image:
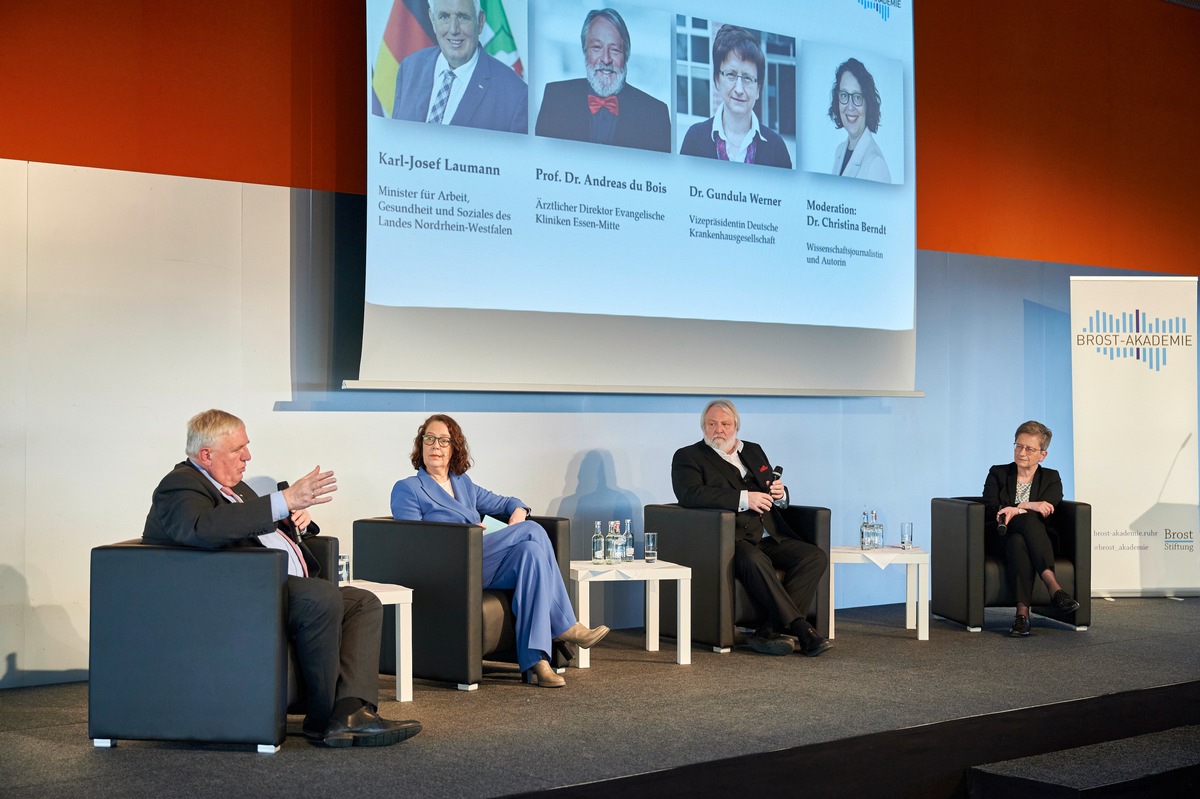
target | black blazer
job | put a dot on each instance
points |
(644, 122)
(1000, 490)
(701, 479)
(698, 141)
(188, 510)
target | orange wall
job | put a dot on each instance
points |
(1054, 130)
(257, 91)
(1060, 130)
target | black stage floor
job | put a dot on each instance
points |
(881, 714)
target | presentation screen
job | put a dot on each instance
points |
(640, 197)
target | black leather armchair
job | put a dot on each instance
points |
(191, 644)
(966, 578)
(456, 623)
(702, 539)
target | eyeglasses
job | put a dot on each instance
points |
(1027, 450)
(731, 77)
(856, 99)
(443, 441)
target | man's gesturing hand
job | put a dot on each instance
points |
(313, 488)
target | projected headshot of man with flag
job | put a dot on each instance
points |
(432, 67)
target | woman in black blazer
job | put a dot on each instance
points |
(1020, 497)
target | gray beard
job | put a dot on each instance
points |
(724, 445)
(604, 85)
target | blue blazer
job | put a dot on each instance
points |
(420, 498)
(496, 99)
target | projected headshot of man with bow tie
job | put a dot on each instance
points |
(603, 107)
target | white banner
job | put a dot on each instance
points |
(1133, 367)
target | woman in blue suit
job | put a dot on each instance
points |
(519, 557)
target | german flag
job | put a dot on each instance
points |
(408, 29)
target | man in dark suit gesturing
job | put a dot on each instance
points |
(724, 472)
(335, 631)
(603, 108)
(457, 83)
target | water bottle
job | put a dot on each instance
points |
(629, 548)
(610, 544)
(619, 548)
(876, 532)
(864, 532)
(597, 546)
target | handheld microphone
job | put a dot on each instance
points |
(776, 474)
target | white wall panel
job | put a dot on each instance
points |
(14, 595)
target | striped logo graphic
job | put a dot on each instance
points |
(1135, 335)
(882, 7)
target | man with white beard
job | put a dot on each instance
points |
(602, 107)
(723, 471)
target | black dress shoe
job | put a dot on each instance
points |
(814, 645)
(1020, 626)
(365, 727)
(811, 642)
(1063, 602)
(770, 643)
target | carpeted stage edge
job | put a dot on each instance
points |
(929, 760)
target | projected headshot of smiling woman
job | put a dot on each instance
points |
(854, 106)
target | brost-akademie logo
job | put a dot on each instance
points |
(1135, 335)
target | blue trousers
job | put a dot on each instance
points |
(520, 558)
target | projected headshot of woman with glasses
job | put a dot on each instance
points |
(735, 132)
(855, 107)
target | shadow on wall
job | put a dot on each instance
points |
(595, 498)
(38, 621)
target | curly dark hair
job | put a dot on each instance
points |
(869, 92)
(460, 453)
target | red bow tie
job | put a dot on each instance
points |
(596, 103)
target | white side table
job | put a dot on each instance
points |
(916, 560)
(584, 572)
(401, 597)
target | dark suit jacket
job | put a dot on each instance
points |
(496, 99)
(1000, 490)
(644, 122)
(701, 479)
(698, 141)
(188, 510)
